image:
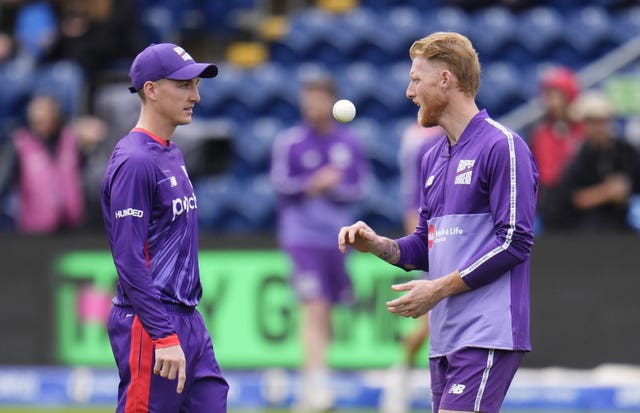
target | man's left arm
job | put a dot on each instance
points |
(513, 188)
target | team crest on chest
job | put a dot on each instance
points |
(464, 172)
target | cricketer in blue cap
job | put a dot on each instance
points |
(162, 348)
(169, 61)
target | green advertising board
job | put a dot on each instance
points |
(248, 306)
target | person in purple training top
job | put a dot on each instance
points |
(161, 346)
(319, 171)
(474, 236)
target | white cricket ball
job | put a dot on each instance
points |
(344, 110)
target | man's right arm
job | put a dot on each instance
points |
(131, 189)
(408, 253)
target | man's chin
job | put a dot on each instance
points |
(184, 120)
(424, 122)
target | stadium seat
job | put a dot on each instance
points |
(158, 25)
(299, 41)
(268, 90)
(225, 97)
(66, 81)
(368, 131)
(369, 40)
(357, 81)
(317, 35)
(365, 84)
(407, 25)
(217, 92)
(492, 32)
(393, 88)
(254, 205)
(380, 145)
(215, 198)
(499, 88)
(539, 30)
(381, 208)
(382, 5)
(587, 31)
(448, 19)
(16, 77)
(220, 17)
(252, 144)
(625, 24)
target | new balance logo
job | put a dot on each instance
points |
(457, 389)
(429, 181)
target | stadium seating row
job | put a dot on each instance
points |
(167, 20)
(377, 90)
(270, 90)
(230, 204)
(538, 33)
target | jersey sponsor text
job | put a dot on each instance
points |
(182, 205)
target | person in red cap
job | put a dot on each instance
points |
(554, 141)
(161, 345)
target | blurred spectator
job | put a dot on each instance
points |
(35, 28)
(44, 167)
(319, 171)
(605, 171)
(96, 34)
(8, 12)
(6, 47)
(554, 141)
(91, 132)
(415, 143)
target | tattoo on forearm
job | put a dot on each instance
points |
(391, 252)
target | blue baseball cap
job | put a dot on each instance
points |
(166, 60)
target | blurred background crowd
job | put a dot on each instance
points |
(562, 74)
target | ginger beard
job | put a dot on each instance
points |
(431, 110)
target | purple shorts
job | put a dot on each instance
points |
(320, 273)
(140, 390)
(473, 379)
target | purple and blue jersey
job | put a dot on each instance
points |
(150, 214)
(299, 152)
(476, 216)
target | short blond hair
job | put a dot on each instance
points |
(456, 52)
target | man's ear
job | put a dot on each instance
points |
(446, 78)
(150, 90)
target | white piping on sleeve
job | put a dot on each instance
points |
(513, 190)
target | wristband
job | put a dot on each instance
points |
(168, 341)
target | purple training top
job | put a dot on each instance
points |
(150, 214)
(476, 216)
(298, 153)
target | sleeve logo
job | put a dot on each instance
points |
(129, 212)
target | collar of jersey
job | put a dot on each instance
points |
(163, 142)
(467, 134)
